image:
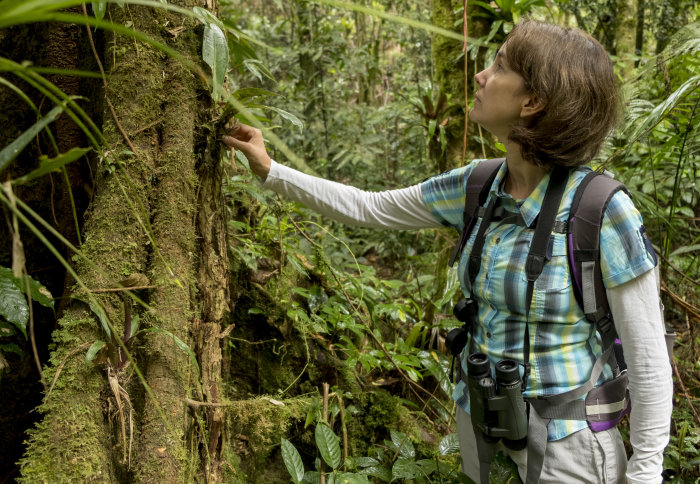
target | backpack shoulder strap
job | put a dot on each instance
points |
(583, 238)
(478, 185)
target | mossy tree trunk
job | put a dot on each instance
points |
(157, 212)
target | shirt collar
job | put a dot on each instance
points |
(529, 207)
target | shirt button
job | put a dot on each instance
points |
(498, 240)
(488, 334)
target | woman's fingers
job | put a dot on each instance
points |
(249, 140)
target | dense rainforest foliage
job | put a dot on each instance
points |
(165, 319)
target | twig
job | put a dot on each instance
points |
(63, 363)
(681, 273)
(692, 310)
(685, 393)
(344, 428)
(119, 289)
(148, 126)
(273, 340)
(32, 338)
(197, 404)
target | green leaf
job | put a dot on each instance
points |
(248, 92)
(11, 348)
(412, 337)
(99, 311)
(685, 250)
(292, 460)
(206, 17)
(11, 151)
(449, 444)
(47, 165)
(312, 477)
(179, 343)
(432, 124)
(38, 292)
(350, 478)
(288, 116)
(404, 444)
(328, 445)
(13, 305)
(404, 469)
(99, 8)
(665, 107)
(380, 472)
(215, 54)
(93, 350)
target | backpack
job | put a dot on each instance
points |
(605, 405)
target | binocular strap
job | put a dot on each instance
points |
(536, 446)
(486, 451)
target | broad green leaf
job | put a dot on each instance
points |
(427, 466)
(38, 292)
(13, 305)
(292, 460)
(134, 324)
(11, 151)
(685, 250)
(449, 444)
(432, 124)
(99, 8)
(351, 478)
(412, 337)
(404, 469)
(404, 444)
(215, 54)
(312, 477)
(47, 165)
(328, 445)
(288, 116)
(99, 311)
(366, 461)
(93, 350)
(380, 472)
(206, 17)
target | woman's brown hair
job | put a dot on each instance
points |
(571, 74)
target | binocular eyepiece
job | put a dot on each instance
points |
(498, 410)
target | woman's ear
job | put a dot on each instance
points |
(530, 106)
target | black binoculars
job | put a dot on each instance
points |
(466, 311)
(498, 410)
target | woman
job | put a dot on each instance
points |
(550, 96)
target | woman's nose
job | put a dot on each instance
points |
(480, 78)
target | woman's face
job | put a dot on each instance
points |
(501, 98)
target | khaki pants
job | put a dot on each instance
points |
(582, 457)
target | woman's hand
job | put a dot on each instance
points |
(250, 141)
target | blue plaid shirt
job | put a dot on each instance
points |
(563, 344)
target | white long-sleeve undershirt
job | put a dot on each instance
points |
(634, 304)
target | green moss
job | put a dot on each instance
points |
(377, 413)
(71, 443)
(256, 428)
